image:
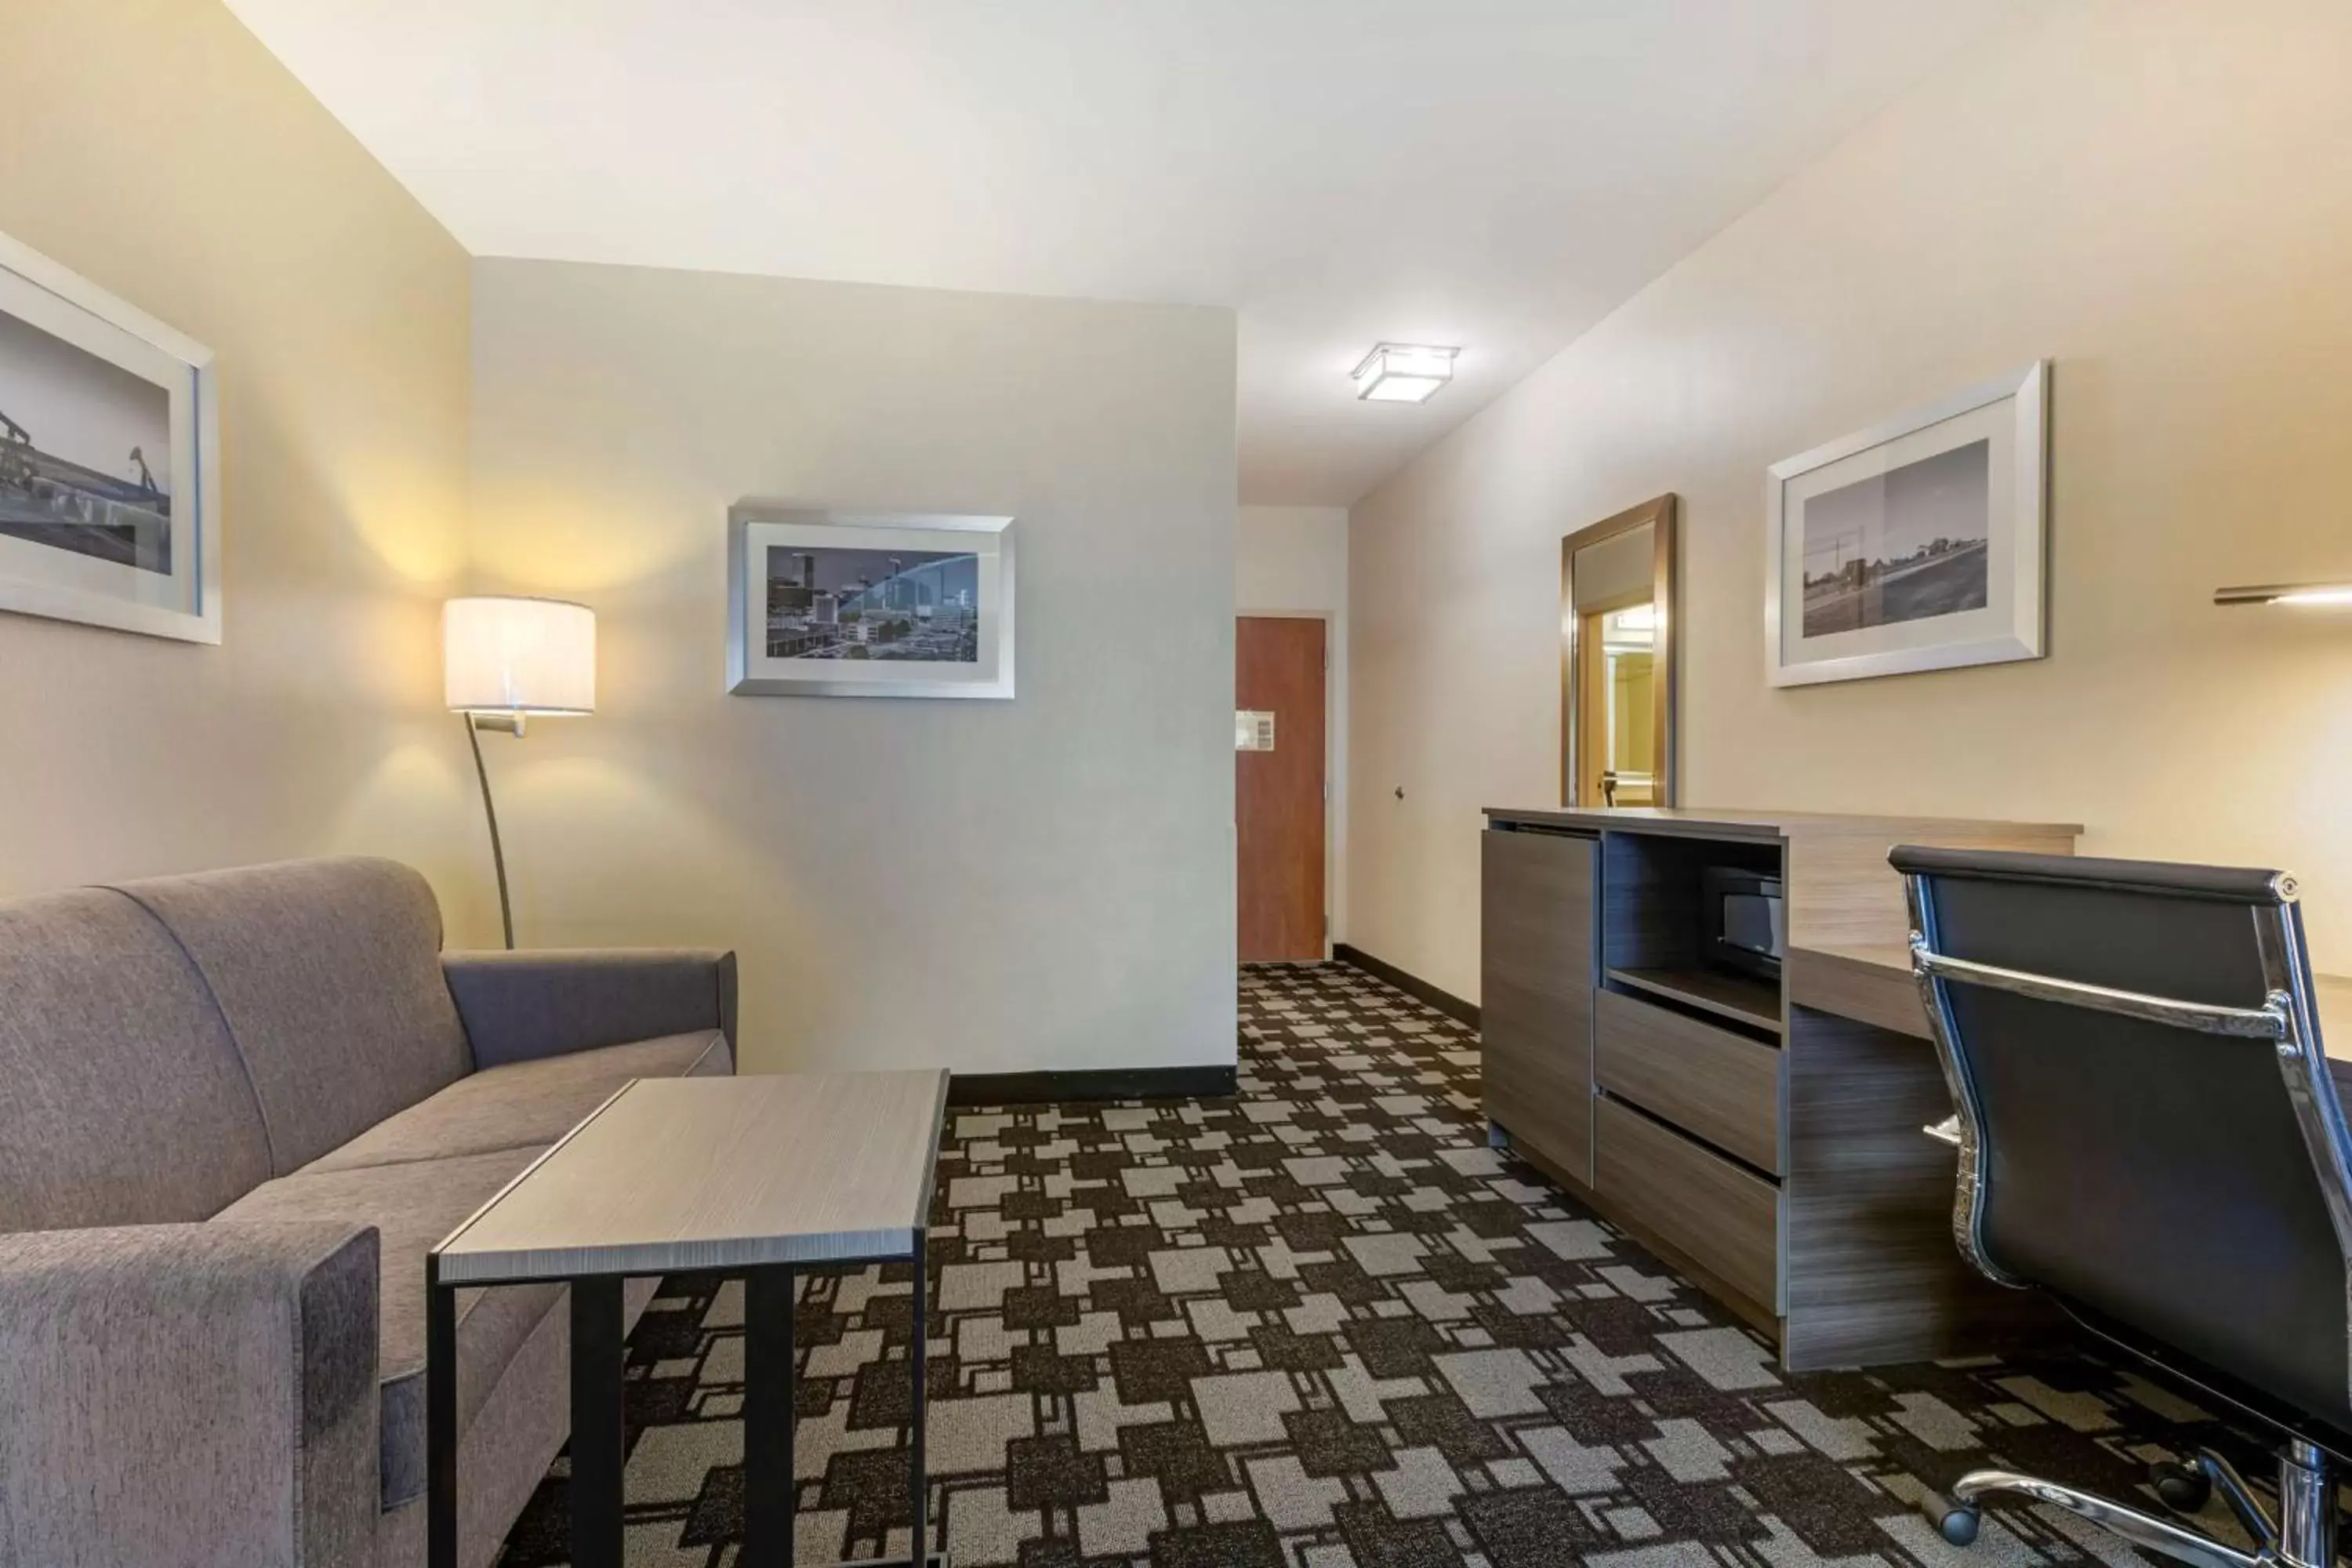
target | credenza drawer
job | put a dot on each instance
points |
(1714, 1084)
(1723, 1218)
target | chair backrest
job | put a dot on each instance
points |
(2149, 1128)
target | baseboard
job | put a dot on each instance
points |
(1100, 1083)
(1412, 985)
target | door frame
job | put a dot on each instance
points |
(1335, 731)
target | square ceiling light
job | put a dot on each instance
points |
(1403, 373)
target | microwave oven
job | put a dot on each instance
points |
(1743, 920)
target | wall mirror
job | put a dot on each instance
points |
(1617, 659)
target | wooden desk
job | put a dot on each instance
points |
(1771, 1153)
(1872, 981)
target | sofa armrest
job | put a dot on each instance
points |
(519, 1006)
(189, 1394)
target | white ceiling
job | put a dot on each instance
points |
(1493, 173)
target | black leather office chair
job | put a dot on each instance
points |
(2148, 1132)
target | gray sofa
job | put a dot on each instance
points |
(235, 1110)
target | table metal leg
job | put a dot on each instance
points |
(768, 1417)
(597, 1441)
(920, 1533)
(440, 1419)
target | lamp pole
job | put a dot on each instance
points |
(511, 724)
(504, 657)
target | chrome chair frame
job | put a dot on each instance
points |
(2301, 1535)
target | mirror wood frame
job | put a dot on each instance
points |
(1660, 515)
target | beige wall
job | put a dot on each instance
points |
(1293, 561)
(2157, 194)
(1044, 883)
(154, 147)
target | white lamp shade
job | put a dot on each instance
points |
(519, 655)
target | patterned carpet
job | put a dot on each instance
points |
(1322, 1326)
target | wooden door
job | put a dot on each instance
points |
(1278, 799)
(1536, 983)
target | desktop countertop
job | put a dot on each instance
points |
(1874, 983)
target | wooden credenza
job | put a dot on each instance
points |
(1768, 1150)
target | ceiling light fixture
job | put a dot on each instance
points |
(2305, 593)
(1403, 373)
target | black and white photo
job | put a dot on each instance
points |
(85, 452)
(910, 605)
(1903, 545)
(1917, 544)
(109, 460)
(826, 604)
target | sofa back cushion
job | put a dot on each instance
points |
(329, 973)
(122, 1099)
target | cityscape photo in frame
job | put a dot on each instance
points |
(110, 459)
(1917, 544)
(827, 603)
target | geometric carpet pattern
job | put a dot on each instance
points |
(1322, 1325)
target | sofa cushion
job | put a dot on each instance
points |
(122, 1101)
(529, 1104)
(329, 974)
(413, 1205)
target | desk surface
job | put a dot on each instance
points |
(1874, 983)
(717, 1173)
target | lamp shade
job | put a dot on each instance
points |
(501, 655)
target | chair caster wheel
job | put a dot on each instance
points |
(2184, 1488)
(1955, 1521)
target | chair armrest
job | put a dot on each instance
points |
(189, 1394)
(519, 1006)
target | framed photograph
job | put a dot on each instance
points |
(825, 604)
(110, 459)
(1917, 545)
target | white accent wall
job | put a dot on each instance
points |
(1044, 883)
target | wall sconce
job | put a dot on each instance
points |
(503, 660)
(2312, 594)
(1403, 373)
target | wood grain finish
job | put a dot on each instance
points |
(728, 1173)
(1871, 983)
(1874, 983)
(1741, 998)
(1757, 1316)
(1713, 1084)
(1536, 971)
(1279, 803)
(1649, 911)
(1722, 823)
(1842, 892)
(1850, 1253)
(1874, 1275)
(2332, 1000)
(1726, 1219)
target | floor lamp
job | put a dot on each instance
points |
(505, 660)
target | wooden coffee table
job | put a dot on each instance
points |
(754, 1176)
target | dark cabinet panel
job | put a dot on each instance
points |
(1723, 1218)
(1714, 1084)
(1536, 985)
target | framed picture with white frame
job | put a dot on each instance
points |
(836, 603)
(1919, 544)
(110, 459)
